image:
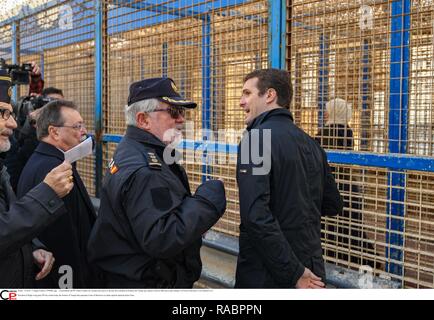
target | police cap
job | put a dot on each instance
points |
(163, 89)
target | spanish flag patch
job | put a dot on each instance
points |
(113, 168)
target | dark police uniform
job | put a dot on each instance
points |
(280, 231)
(149, 229)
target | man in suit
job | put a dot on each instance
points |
(60, 127)
(282, 197)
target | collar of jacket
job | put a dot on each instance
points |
(2, 159)
(148, 138)
(279, 112)
(50, 150)
(143, 136)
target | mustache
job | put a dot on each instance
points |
(9, 132)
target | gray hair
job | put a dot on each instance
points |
(146, 106)
(51, 116)
(339, 111)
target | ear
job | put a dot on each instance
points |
(53, 132)
(143, 121)
(271, 95)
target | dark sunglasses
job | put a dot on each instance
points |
(175, 112)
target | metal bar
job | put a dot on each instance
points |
(187, 13)
(153, 7)
(365, 95)
(305, 26)
(15, 53)
(42, 65)
(283, 35)
(27, 11)
(274, 33)
(164, 60)
(364, 159)
(22, 51)
(99, 42)
(391, 161)
(398, 109)
(323, 77)
(206, 87)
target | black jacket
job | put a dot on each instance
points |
(20, 221)
(336, 136)
(280, 231)
(67, 237)
(149, 227)
(23, 144)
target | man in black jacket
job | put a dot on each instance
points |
(21, 220)
(149, 227)
(60, 127)
(283, 194)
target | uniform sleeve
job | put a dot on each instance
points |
(332, 202)
(263, 229)
(27, 217)
(162, 222)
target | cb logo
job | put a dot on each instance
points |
(8, 295)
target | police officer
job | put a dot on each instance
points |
(149, 227)
(22, 220)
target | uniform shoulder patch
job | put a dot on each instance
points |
(153, 161)
(113, 167)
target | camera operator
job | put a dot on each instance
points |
(24, 140)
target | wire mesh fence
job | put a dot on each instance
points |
(377, 56)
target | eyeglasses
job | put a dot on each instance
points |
(6, 114)
(175, 112)
(77, 126)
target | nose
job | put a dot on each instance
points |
(180, 119)
(11, 123)
(242, 102)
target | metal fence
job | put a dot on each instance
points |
(377, 55)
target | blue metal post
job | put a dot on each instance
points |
(164, 60)
(398, 110)
(283, 36)
(206, 86)
(15, 53)
(276, 33)
(323, 79)
(365, 94)
(42, 65)
(99, 42)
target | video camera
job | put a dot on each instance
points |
(20, 74)
(29, 104)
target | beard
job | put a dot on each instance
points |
(5, 146)
(173, 136)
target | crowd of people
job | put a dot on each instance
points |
(148, 231)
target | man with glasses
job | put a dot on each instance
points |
(21, 220)
(60, 127)
(149, 227)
